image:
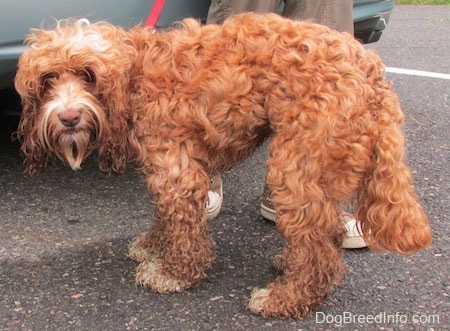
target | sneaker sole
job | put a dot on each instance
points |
(212, 213)
(353, 242)
(268, 213)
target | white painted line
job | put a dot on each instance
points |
(417, 73)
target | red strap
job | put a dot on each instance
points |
(154, 14)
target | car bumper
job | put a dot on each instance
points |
(370, 30)
(370, 18)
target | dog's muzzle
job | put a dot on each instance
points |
(72, 133)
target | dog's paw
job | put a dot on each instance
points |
(258, 300)
(149, 274)
(137, 251)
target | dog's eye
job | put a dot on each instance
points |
(46, 80)
(89, 76)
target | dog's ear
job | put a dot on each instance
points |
(36, 157)
(115, 151)
(28, 86)
(113, 83)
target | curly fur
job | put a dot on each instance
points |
(188, 103)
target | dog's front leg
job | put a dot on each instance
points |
(175, 254)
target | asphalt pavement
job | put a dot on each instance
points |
(64, 234)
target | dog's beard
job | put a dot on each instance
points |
(74, 148)
(72, 144)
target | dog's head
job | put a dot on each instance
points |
(73, 83)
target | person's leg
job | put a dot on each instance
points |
(335, 14)
(304, 10)
(220, 10)
(338, 15)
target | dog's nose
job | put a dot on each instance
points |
(70, 117)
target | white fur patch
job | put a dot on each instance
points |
(88, 39)
(258, 299)
(150, 275)
(85, 37)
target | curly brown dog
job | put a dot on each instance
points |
(188, 103)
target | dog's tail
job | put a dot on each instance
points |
(390, 214)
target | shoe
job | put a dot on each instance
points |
(215, 196)
(267, 210)
(352, 239)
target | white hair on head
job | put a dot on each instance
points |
(79, 38)
(85, 37)
(76, 36)
(83, 21)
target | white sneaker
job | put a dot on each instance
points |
(215, 196)
(353, 238)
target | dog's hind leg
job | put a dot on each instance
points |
(176, 253)
(308, 220)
